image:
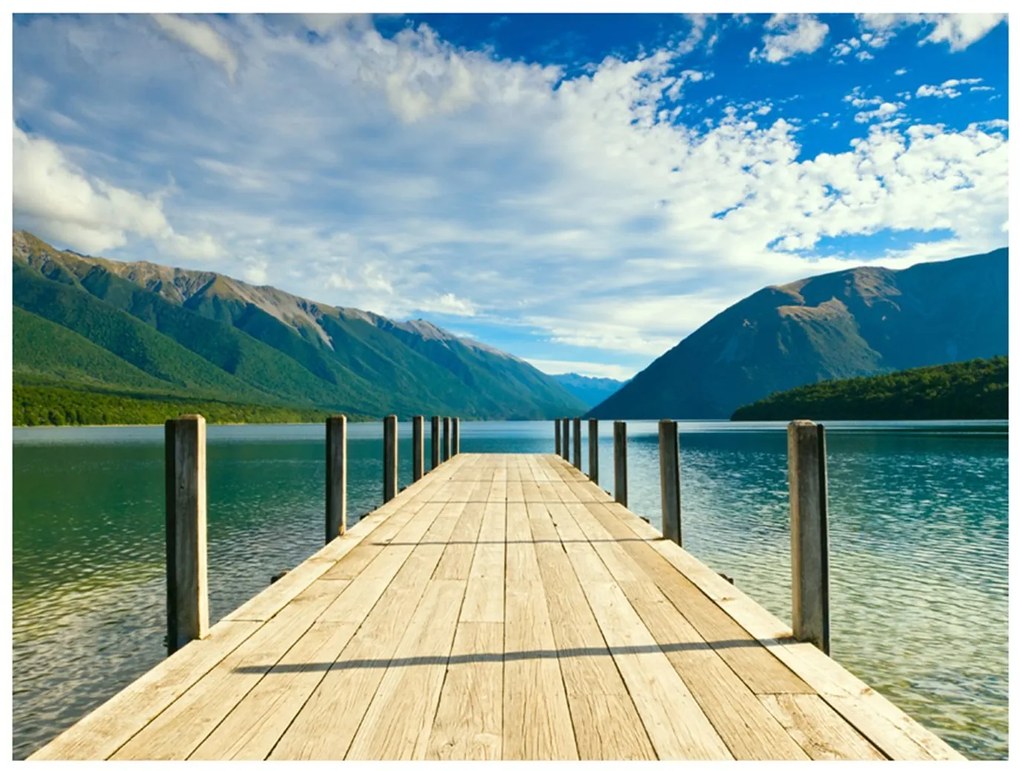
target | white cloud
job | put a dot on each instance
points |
(201, 37)
(962, 29)
(448, 304)
(948, 89)
(586, 368)
(403, 174)
(959, 30)
(790, 34)
(59, 201)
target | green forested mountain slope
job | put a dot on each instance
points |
(970, 390)
(851, 323)
(204, 335)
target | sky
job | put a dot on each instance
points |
(581, 190)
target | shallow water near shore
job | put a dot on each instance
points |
(918, 546)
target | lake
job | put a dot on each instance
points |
(918, 535)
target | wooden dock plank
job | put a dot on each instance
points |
(818, 728)
(501, 607)
(606, 723)
(469, 720)
(326, 724)
(183, 725)
(536, 718)
(399, 720)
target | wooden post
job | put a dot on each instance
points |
(446, 439)
(577, 443)
(336, 476)
(809, 532)
(389, 485)
(417, 447)
(435, 441)
(669, 480)
(620, 461)
(455, 437)
(187, 591)
(566, 439)
(593, 450)
(559, 450)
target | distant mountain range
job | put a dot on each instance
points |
(590, 390)
(856, 322)
(147, 331)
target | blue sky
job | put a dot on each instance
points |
(580, 190)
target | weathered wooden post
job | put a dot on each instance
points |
(187, 591)
(435, 441)
(559, 450)
(593, 450)
(809, 532)
(417, 447)
(446, 439)
(620, 461)
(566, 439)
(577, 443)
(336, 476)
(669, 480)
(454, 437)
(389, 491)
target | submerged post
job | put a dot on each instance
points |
(809, 532)
(593, 450)
(187, 592)
(620, 461)
(336, 476)
(566, 439)
(446, 439)
(455, 437)
(669, 480)
(577, 443)
(417, 447)
(389, 490)
(559, 450)
(435, 441)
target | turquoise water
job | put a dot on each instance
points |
(918, 541)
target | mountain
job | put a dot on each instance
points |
(590, 390)
(970, 390)
(146, 330)
(862, 321)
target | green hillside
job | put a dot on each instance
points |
(138, 331)
(969, 390)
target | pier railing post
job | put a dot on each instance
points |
(620, 461)
(577, 443)
(417, 447)
(809, 532)
(446, 439)
(669, 480)
(336, 476)
(389, 458)
(187, 591)
(435, 441)
(559, 449)
(454, 437)
(566, 439)
(593, 450)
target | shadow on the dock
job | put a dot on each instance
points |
(480, 658)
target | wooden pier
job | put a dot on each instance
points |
(502, 606)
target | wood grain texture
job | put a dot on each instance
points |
(502, 607)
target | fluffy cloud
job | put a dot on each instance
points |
(948, 89)
(959, 30)
(200, 37)
(789, 34)
(406, 175)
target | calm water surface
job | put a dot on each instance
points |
(918, 539)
